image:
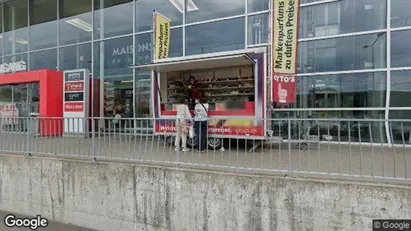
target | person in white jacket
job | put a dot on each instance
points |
(183, 123)
(201, 124)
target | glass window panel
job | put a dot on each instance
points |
(257, 5)
(400, 13)
(200, 10)
(15, 27)
(46, 59)
(144, 12)
(342, 91)
(112, 18)
(1, 30)
(143, 97)
(206, 38)
(144, 46)
(343, 131)
(401, 48)
(17, 58)
(6, 94)
(400, 89)
(75, 21)
(176, 45)
(113, 59)
(342, 17)
(43, 24)
(75, 57)
(257, 29)
(400, 131)
(346, 53)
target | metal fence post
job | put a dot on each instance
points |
(93, 139)
(28, 145)
(289, 145)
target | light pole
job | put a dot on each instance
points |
(372, 47)
(373, 61)
(372, 54)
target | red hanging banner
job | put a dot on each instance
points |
(284, 88)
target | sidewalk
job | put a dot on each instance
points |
(376, 160)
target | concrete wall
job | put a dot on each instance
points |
(108, 196)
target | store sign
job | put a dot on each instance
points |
(245, 130)
(75, 76)
(74, 96)
(285, 37)
(129, 50)
(285, 50)
(74, 107)
(123, 55)
(285, 88)
(75, 86)
(75, 110)
(13, 67)
(161, 36)
(9, 114)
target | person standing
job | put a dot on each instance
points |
(193, 92)
(183, 122)
(201, 124)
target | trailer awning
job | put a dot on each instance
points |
(198, 63)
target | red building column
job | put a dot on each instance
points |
(51, 97)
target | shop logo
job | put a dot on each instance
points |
(74, 76)
(129, 50)
(282, 93)
(13, 67)
(284, 79)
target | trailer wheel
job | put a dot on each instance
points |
(215, 143)
(303, 146)
(169, 140)
(192, 142)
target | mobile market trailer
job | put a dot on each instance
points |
(233, 83)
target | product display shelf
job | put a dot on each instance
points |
(220, 88)
(176, 89)
(177, 95)
(225, 88)
(225, 81)
(230, 95)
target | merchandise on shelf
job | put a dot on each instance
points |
(214, 90)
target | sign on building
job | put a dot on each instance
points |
(161, 34)
(75, 101)
(13, 67)
(9, 114)
(284, 31)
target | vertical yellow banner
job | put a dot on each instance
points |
(285, 36)
(161, 36)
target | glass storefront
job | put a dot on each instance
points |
(344, 67)
(21, 100)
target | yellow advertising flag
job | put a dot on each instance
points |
(285, 36)
(161, 36)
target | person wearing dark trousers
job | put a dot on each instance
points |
(201, 123)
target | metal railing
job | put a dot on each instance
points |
(338, 147)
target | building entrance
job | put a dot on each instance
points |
(32, 94)
(17, 103)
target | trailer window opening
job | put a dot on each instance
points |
(226, 83)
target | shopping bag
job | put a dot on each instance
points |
(185, 129)
(191, 132)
